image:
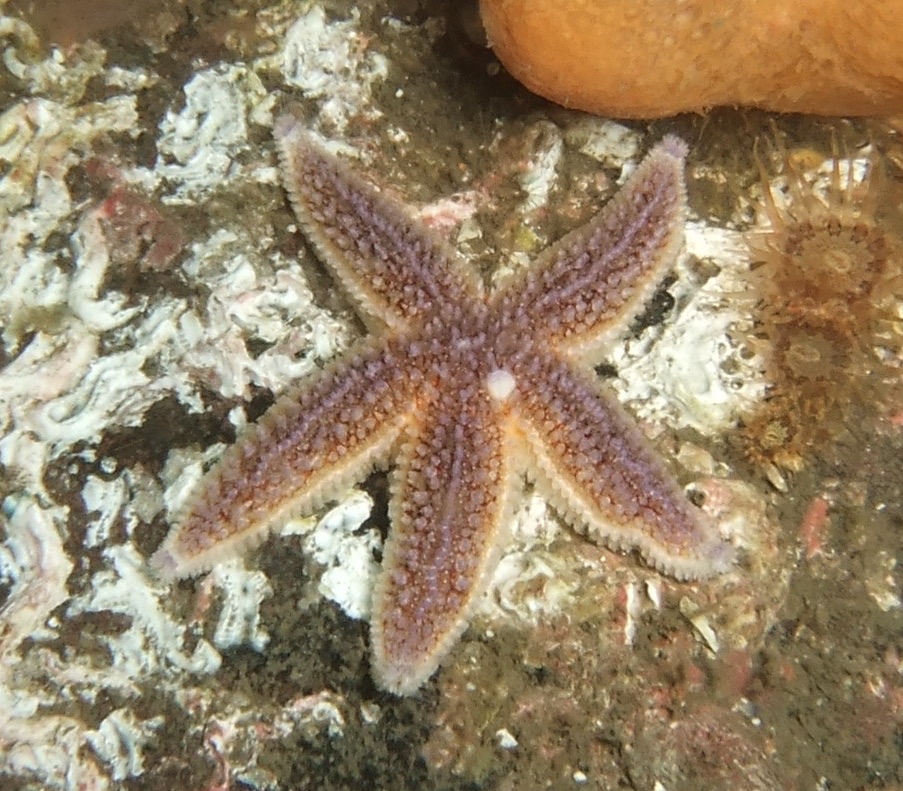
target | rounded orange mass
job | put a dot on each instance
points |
(652, 58)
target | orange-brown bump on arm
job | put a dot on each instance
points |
(305, 450)
(449, 498)
(598, 470)
(397, 271)
(595, 279)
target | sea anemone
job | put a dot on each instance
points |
(825, 278)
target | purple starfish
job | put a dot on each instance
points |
(468, 391)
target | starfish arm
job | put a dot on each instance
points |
(397, 271)
(450, 496)
(306, 449)
(595, 279)
(598, 469)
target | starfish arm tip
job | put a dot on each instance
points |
(707, 560)
(287, 125)
(674, 146)
(404, 669)
(401, 680)
(165, 565)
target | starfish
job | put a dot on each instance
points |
(470, 391)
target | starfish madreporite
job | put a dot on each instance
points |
(468, 391)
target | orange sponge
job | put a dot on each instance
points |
(651, 58)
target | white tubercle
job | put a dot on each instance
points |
(501, 384)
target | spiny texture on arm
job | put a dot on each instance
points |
(304, 450)
(596, 278)
(449, 496)
(598, 469)
(398, 272)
